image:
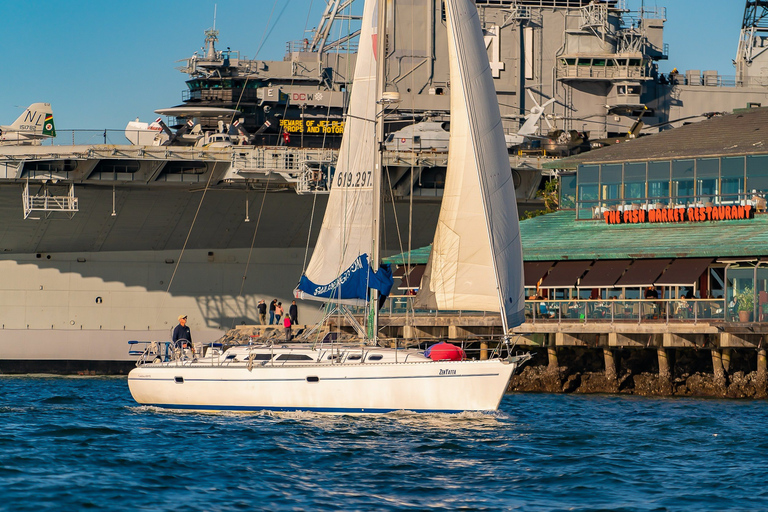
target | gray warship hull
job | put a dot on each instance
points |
(144, 246)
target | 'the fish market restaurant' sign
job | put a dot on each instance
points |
(694, 214)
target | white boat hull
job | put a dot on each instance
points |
(441, 386)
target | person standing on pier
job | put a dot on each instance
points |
(293, 312)
(278, 312)
(287, 325)
(262, 307)
(272, 306)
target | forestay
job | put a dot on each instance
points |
(476, 258)
(340, 265)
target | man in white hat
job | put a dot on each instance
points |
(182, 336)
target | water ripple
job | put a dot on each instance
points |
(77, 443)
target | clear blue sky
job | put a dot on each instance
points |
(101, 64)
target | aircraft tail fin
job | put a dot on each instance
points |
(34, 120)
(49, 129)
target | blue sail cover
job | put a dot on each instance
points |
(353, 283)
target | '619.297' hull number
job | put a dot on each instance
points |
(353, 179)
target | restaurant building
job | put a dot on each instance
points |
(682, 211)
(659, 244)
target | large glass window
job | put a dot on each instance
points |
(757, 174)
(740, 292)
(682, 181)
(610, 173)
(732, 166)
(589, 174)
(706, 191)
(732, 179)
(588, 182)
(658, 171)
(761, 290)
(588, 199)
(658, 182)
(568, 191)
(634, 182)
(610, 181)
(708, 168)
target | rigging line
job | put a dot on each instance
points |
(258, 50)
(189, 233)
(266, 34)
(309, 233)
(253, 242)
(412, 78)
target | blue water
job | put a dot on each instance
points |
(82, 443)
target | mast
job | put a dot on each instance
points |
(381, 53)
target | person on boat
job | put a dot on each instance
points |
(293, 312)
(272, 306)
(287, 325)
(182, 336)
(262, 307)
(278, 312)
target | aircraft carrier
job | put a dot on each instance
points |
(101, 244)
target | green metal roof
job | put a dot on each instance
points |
(558, 236)
(415, 257)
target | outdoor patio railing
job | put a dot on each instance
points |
(609, 310)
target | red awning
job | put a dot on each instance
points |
(684, 272)
(565, 274)
(642, 273)
(604, 274)
(534, 271)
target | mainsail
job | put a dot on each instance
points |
(476, 258)
(340, 267)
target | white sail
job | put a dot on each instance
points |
(476, 258)
(340, 262)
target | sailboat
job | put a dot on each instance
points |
(476, 264)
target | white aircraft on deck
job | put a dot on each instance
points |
(31, 127)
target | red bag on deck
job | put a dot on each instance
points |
(445, 352)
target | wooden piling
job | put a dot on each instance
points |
(664, 372)
(483, 350)
(717, 366)
(762, 373)
(726, 357)
(610, 364)
(552, 353)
